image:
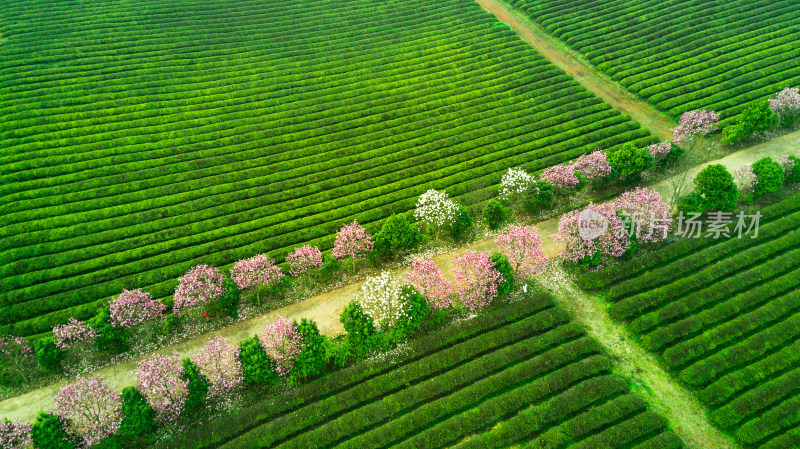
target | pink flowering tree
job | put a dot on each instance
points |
(592, 232)
(16, 355)
(91, 409)
(593, 166)
(282, 342)
(787, 163)
(787, 105)
(200, 285)
(256, 274)
(693, 125)
(560, 176)
(73, 333)
(134, 307)
(427, 278)
(476, 280)
(645, 215)
(162, 385)
(660, 150)
(15, 435)
(746, 180)
(522, 246)
(304, 259)
(219, 362)
(353, 241)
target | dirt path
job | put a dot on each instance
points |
(581, 70)
(325, 308)
(682, 410)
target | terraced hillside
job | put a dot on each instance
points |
(725, 318)
(160, 135)
(523, 375)
(679, 54)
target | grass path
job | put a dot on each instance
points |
(683, 411)
(581, 70)
(325, 308)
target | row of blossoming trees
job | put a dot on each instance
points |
(88, 413)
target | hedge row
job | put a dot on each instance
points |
(507, 322)
(710, 294)
(682, 56)
(454, 429)
(734, 383)
(669, 335)
(730, 331)
(580, 411)
(727, 273)
(747, 351)
(455, 393)
(703, 258)
(316, 414)
(757, 401)
(630, 271)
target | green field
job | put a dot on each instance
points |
(682, 55)
(724, 316)
(160, 135)
(523, 375)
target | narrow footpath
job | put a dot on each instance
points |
(326, 308)
(687, 417)
(581, 70)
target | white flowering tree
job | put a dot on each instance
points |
(435, 210)
(514, 184)
(382, 298)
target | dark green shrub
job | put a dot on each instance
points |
(171, 323)
(715, 185)
(139, 417)
(462, 224)
(111, 442)
(538, 197)
(418, 310)
(770, 175)
(312, 359)
(48, 433)
(110, 339)
(504, 267)
(198, 386)
(794, 174)
(396, 235)
(758, 117)
(628, 161)
(690, 203)
(48, 355)
(360, 329)
(228, 303)
(591, 261)
(495, 214)
(329, 270)
(256, 365)
(674, 156)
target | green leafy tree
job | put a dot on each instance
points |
(229, 301)
(770, 175)
(198, 386)
(504, 267)
(495, 214)
(396, 235)
(139, 417)
(256, 365)
(794, 176)
(758, 117)
(628, 161)
(539, 196)
(461, 225)
(48, 433)
(110, 339)
(715, 186)
(48, 355)
(312, 359)
(360, 330)
(418, 310)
